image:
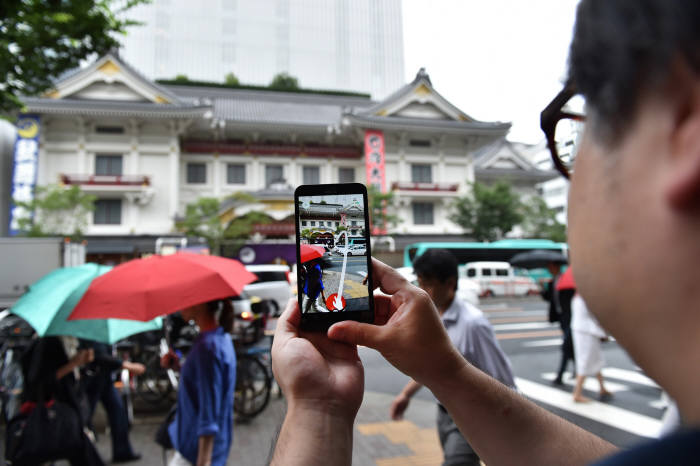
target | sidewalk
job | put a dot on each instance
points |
(378, 440)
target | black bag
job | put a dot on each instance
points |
(162, 435)
(48, 433)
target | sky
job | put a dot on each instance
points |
(497, 60)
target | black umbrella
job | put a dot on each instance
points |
(539, 258)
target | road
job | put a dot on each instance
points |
(533, 347)
(531, 343)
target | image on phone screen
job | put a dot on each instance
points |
(333, 253)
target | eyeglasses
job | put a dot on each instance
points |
(556, 121)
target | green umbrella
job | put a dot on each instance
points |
(49, 302)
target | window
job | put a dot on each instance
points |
(110, 165)
(346, 175)
(235, 173)
(109, 129)
(501, 272)
(423, 213)
(311, 175)
(313, 223)
(273, 173)
(421, 173)
(471, 272)
(485, 272)
(419, 143)
(196, 173)
(303, 223)
(353, 223)
(108, 212)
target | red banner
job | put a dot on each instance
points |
(374, 159)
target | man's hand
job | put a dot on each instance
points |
(407, 330)
(314, 371)
(398, 407)
(323, 381)
(134, 367)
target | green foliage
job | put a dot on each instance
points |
(262, 88)
(181, 79)
(57, 210)
(231, 79)
(489, 212)
(539, 221)
(381, 209)
(39, 40)
(202, 219)
(284, 82)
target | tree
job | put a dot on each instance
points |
(181, 78)
(539, 221)
(231, 79)
(57, 210)
(284, 82)
(40, 40)
(381, 209)
(203, 219)
(489, 212)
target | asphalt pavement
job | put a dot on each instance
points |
(531, 343)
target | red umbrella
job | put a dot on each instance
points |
(310, 252)
(143, 289)
(566, 281)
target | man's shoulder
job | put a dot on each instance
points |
(680, 448)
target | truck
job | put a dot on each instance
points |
(25, 260)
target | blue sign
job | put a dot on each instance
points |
(25, 162)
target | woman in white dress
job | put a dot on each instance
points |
(587, 335)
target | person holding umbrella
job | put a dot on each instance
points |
(312, 277)
(202, 431)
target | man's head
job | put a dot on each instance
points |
(634, 214)
(436, 270)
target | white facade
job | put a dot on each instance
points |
(147, 151)
(336, 44)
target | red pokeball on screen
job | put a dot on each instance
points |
(335, 303)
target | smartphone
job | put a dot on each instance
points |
(334, 270)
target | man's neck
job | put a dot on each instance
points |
(448, 302)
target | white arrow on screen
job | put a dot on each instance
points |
(338, 302)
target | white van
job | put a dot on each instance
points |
(499, 279)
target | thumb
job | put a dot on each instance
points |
(356, 333)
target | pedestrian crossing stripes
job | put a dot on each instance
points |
(543, 343)
(613, 416)
(589, 384)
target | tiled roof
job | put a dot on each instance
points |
(271, 107)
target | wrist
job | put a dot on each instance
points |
(447, 371)
(321, 412)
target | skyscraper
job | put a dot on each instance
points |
(326, 44)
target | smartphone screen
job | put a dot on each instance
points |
(333, 250)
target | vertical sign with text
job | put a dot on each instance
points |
(25, 163)
(375, 166)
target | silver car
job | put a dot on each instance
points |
(273, 283)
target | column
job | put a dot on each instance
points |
(134, 165)
(82, 157)
(257, 178)
(441, 175)
(174, 174)
(216, 174)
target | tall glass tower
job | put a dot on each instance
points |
(327, 44)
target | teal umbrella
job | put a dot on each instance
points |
(49, 302)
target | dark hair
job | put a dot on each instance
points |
(622, 49)
(436, 264)
(224, 308)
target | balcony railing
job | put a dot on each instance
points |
(410, 186)
(106, 180)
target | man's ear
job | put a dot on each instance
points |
(683, 180)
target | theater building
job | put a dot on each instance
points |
(146, 150)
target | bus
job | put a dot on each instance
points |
(501, 250)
